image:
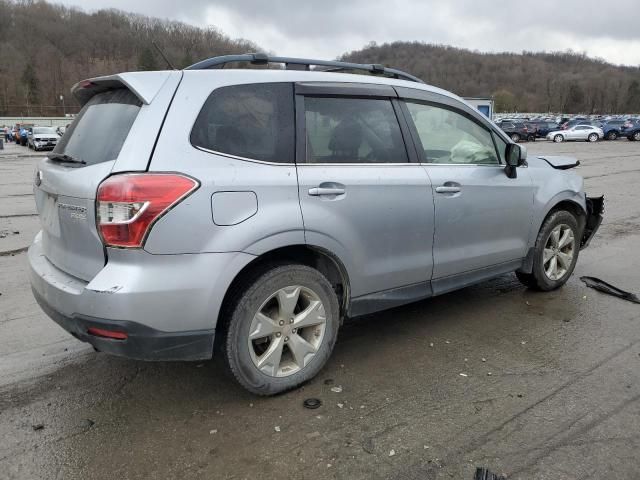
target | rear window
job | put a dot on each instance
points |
(100, 129)
(253, 121)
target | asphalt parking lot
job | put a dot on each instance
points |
(533, 385)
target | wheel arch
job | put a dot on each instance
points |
(324, 261)
(560, 202)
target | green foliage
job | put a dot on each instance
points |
(147, 60)
(30, 84)
(505, 101)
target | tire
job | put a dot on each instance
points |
(612, 136)
(558, 138)
(261, 296)
(539, 278)
(593, 137)
(515, 137)
(636, 136)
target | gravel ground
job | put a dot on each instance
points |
(550, 388)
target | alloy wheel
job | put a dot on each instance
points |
(287, 331)
(593, 137)
(558, 138)
(558, 252)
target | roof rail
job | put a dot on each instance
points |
(291, 63)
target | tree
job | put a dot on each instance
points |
(31, 84)
(147, 60)
(575, 98)
(186, 60)
(505, 101)
(633, 97)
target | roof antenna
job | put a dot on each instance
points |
(163, 55)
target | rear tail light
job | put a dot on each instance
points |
(129, 204)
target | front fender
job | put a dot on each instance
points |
(576, 197)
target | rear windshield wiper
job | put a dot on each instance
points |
(64, 158)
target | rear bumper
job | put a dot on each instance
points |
(168, 305)
(142, 343)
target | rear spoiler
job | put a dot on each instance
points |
(561, 163)
(144, 85)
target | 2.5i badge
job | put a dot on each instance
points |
(75, 211)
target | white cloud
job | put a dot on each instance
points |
(328, 28)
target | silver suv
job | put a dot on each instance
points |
(260, 207)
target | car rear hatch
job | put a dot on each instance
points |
(115, 131)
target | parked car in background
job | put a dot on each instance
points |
(587, 133)
(633, 133)
(543, 127)
(612, 129)
(214, 152)
(629, 125)
(517, 131)
(582, 121)
(43, 138)
(60, 130)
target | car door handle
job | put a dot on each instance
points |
(447, 189)
(318, 191)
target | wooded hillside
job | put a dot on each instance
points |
(528, 82)
(46, 48)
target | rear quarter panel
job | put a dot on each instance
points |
(190, 227)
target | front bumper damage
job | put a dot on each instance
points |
(595, 210)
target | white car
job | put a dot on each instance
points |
(43, 138)
(588, 133)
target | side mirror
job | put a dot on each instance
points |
(516, 155)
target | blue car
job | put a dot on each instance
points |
(613, 129)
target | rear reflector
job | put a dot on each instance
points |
(114, 335)
(129, 204)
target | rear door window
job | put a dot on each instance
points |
(352, 130)
(253, 121)
(100, 129)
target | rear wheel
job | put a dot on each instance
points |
(282, 329)
(593, 137)
(612, 136)
(515, 137)
(558, 138)
(636, 136)
(556, 252)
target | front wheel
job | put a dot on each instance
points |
(612, 135)
(636, 136)
(593, 137)
(515, 137)
(558, 138)
(282, 329)
(555, 254)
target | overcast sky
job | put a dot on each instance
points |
(328, 28)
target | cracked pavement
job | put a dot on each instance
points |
(556, 397)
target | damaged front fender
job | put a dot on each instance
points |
(595, 210)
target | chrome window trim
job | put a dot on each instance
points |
(245, 159)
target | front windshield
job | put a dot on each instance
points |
(44, 130)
